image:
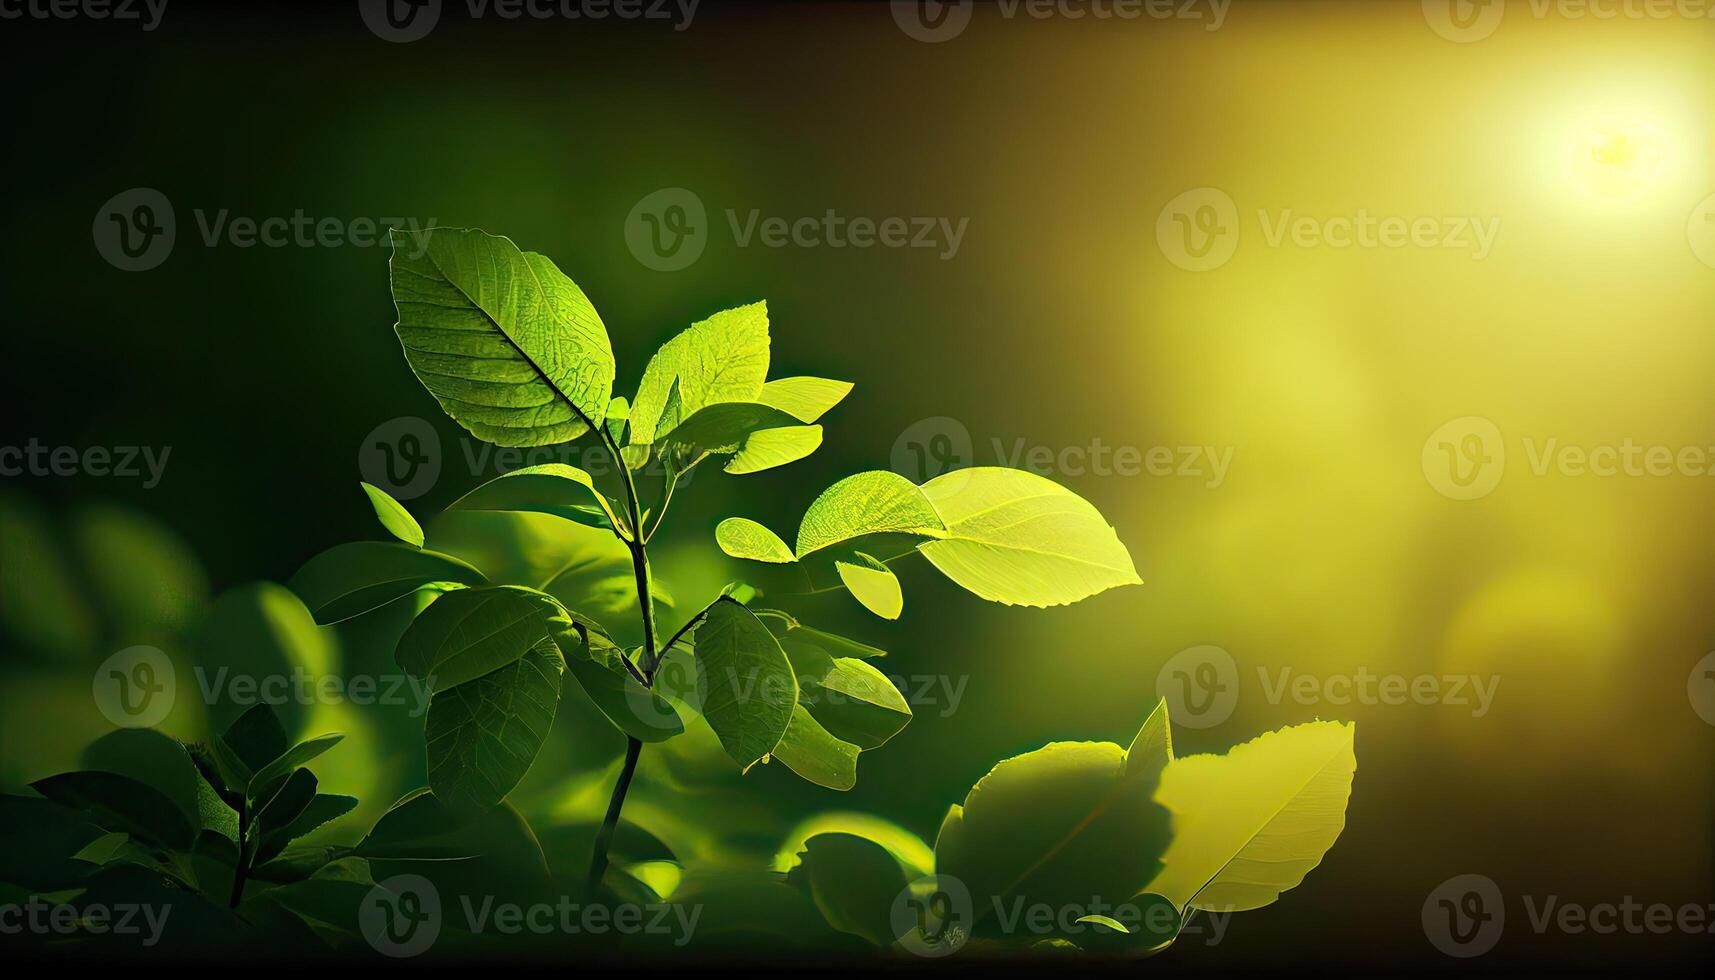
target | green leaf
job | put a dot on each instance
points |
(635, 710)
(875, 502)
(123, 804)
(102, 849)
(744, 538)
(483, 736)
(718, 428)
(872, 584)
(618, 419)
(287, 803)
(394, 517)
(1057, 826)
(296, 756)
(472, 632)
(907, 848)
(766, 449)
(256, 738)
(555, 489)
(805, 399)
(795, 636)
(510, 347)
(853, 701)
(149, 757)
(323, 808)
(854, 883)
(1252, 823)
(351, 579)
(809, 750)
(1021, 539)
(744, 681)
(494, 657)
(721, 359)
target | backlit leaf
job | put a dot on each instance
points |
(721, 359)
(1252, 823)
(809, 750)
(393, 516)
(510, 347)
(556, 489)
(351, 579)
(873, 584)
(875, 502)
(1021, 539)
(806, 399)
(744, 538)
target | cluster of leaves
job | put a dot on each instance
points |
(1075, 823)
(514, 352)
(204, 827)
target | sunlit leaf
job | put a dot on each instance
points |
(853, 701)
(806, 399)
(555, 489)
(635, 710)
(766, 449)
(872, 584)
(912, 853)
(867, 503)
(741, 537)
(807, 749)
(1252, 823)
(393, 516)
(721, 359)
(510, 347)
(1021, 539)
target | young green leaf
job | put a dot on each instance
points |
(1021, 539)
(806, 399)
(510, 347)
(872, 584)
(1057, 826)
(875, 502)
(721, 359)
(854, 882)
(603, 674)
(296, 756)
(1252, 823)
(393, 516)
(766, 449)
(744, 681)
(483, 735)
(555, 489)
(853, 701)
(494, 657)
(741, 537)
(351, 579)
(809, 750)
(618, 419)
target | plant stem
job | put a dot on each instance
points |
(637, 542)
(244, 856)
(604, 836)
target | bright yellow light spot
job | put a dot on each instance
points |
(1618, 160)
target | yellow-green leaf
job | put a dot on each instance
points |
(1250, 824)
(1021, 539)
(873, 584)
(875, 502)
(806, 399)
(744, 538)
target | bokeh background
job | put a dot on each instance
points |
(1066, 318)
